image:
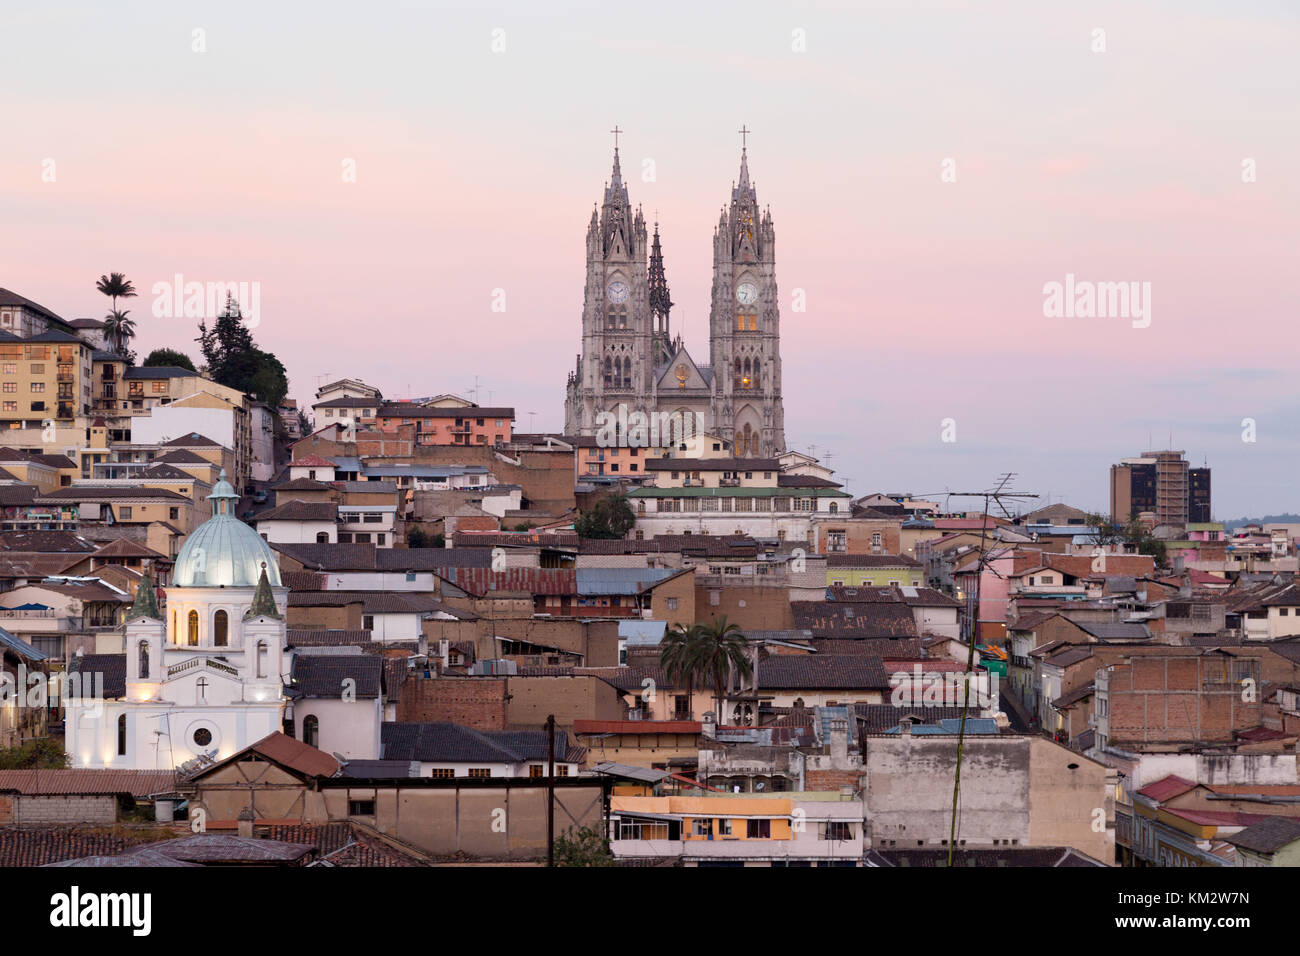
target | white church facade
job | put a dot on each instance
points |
(208, 679)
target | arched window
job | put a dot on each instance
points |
(144, 660)
(261, 659)
(609, 372)
(835, 507)
(121, 736)
(627, 373)
(221, 629)
(176, 633)
(311, 731)
(738, 375)
(193, 621)
(322, 537)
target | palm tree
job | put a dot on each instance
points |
(119, 328)
(720, 649)
(679, 659)
(116, 286)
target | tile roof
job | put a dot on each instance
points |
(1166, 788)
(481, 581)
(319, 675)
(193, 439)
(138, 783)
(831, 619)
(296, 510)
(822, 672)
(1267, 836)
(403, 410)
(879, 718)
(871, 561)
(373, 602)
(111, 666)
(287, 752)
(584, 726)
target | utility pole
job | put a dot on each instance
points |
(550, 790)
(998, 495)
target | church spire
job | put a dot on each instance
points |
(263, 600)
(146, 601)
(660, 303)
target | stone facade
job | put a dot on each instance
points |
(630, 358)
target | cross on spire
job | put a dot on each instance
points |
(744, 133)
(616, 131)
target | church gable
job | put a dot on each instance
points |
(681, 372)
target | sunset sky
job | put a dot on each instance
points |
(477, 170)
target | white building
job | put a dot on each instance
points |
(208, 680)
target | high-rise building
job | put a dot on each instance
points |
(1162, 483)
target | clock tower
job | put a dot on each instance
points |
(618, 335)
(745, 325)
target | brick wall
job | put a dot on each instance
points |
(762, 608)
(40, 810)
(477, 702)
(831, 779)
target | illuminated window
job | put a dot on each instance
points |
(192, 622)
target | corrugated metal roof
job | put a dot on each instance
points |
(642, 632)
(620, 580)
(19, 646)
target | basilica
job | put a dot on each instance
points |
(631, 363)
(206, 680)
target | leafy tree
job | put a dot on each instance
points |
(1106, 533)
(582, 846)
(234, 360)
(610, 517)
(39, 753)
(169, 358)
(304, 426)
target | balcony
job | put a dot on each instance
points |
(66, 410)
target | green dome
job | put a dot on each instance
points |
(223, 551)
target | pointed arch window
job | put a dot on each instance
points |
(221, 629)
(609, 372)
(192, 628)
(144, 660)
(627, 373)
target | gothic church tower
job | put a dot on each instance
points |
(745, 326)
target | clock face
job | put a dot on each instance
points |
(747, 293)
(617, 292)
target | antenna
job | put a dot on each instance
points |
(1000, 495)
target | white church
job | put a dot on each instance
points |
(207, 681)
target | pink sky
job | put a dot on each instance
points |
(477, 170)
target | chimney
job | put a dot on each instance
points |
(709, 726)
(246, 822)
(839, 734)
(444, 653)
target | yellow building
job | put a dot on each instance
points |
(44, 380)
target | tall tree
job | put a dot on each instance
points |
(679, 659)
(234, 360)
(116, 286)
(720, 649)
(610, 517)
(119, 328)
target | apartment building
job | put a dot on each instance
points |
(449, 425)
(1163, 484)
(44, 380)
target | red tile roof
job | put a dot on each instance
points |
(138, 783)
(1166, 788)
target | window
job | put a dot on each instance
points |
(367, 622)
(724, 827)
(536, 770)
(121, 736)
(192, 623)
(173, 513)
(125, 512)
(758, 829)
(10, 386)
(442, 773)
(144, 660)
(221, 629)
(159, 387)
(311, 730)
(837, 830)
(700, 828)
(11, 406)
(322, 537)
(361, 808)
(10, 368)
(38, 386)
(261, 659)
(480, 773)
